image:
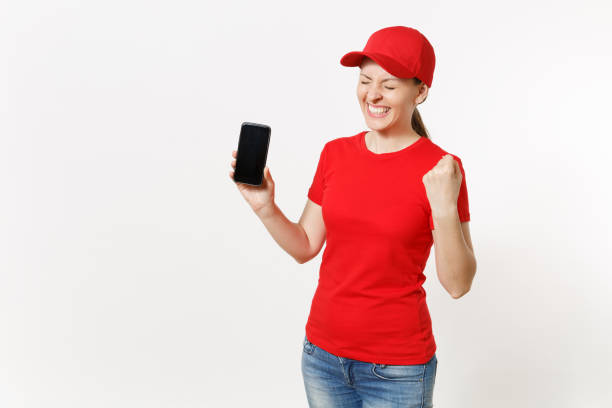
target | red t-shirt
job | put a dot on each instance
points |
(369, 304)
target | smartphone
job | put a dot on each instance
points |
(252, 153)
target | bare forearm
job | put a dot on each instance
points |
(455, 261)
(289, 235)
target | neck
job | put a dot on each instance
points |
(389, 141)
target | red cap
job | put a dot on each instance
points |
(401, 51)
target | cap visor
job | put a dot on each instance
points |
(352, 59)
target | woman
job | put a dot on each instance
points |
(379, 199)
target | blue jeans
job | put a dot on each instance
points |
(333, 382)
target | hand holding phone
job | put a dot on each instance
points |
(251, 174)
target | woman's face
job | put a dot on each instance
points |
(386, 100)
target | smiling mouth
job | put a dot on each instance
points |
(378, 111)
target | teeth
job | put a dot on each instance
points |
(377, 110)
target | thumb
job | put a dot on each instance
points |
(456, 165)
(267, 174)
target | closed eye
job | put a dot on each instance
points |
(368, 83)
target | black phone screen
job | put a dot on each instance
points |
(252, 153)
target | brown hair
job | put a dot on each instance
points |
(417, 121)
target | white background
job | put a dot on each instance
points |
(134, 274)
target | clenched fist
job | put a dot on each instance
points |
(442, 184)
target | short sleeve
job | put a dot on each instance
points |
(315, 192)
(463, 207)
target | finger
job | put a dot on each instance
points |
(449, 159)
(455, 163)
(234, 163)
(269, 175)
(234, 153)
(443, 158)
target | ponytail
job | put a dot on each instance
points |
(417, 121)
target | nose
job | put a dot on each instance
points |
(374, 101)
(373, 96)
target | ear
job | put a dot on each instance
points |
(423, 92)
